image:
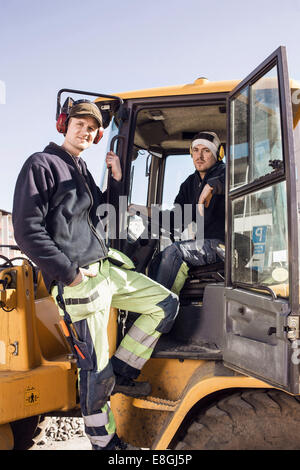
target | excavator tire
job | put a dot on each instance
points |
(256, 419)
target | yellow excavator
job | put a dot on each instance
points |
(227, 375)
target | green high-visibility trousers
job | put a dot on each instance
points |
(88, 304)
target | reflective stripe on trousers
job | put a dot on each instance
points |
(100, 427)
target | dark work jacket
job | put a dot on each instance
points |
(214, 214)
(56, 214)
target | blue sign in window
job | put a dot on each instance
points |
(259, 234)
(259, 248)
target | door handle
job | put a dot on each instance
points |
(114, 140)
(111, 148)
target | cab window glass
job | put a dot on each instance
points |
(139, 177)
(239, 140)
(258, 149)
(138, 191)
(260, 246)
(177, 169)
(265, 125)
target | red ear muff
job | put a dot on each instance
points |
(99, 135)
(61, 123)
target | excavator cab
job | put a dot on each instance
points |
(255, 121)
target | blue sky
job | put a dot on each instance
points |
(115, 46)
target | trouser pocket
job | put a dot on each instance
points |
(83, 356)
(95, 389)
(83, 346)
(77, 332)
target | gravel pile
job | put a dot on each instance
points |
(62, 429)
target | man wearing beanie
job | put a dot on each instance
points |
(204, 190)
(57, 224)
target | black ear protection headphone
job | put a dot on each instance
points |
(63, 118)
(204, 135)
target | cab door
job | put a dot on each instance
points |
(262, 274)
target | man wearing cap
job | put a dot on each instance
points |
(205, 191)
(57, 224)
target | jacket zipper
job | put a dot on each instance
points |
(206, 175)
(103, 246)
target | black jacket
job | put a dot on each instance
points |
(56, 214)
(214, 214)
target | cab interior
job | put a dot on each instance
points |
(160, 162)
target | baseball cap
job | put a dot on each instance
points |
(86, 109)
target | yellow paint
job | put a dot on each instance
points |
(6, 437)
(141, 426)
(36, 373)
(296, 117)
(184, 383)
(199, 86)
(32, 396)
(201, 389)
(53, 386)
(112, 328)
(155, 403)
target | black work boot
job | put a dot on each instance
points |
(116, 444)
(131, 387)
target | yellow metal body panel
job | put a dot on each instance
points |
(36, 372)
(182, 382)
(40, 390)
(202, 384)
(296, 117)
(6, 437)
(199, 86)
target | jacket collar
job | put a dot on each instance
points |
(217, 165)
(58, 150)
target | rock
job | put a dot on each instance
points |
(65, 428)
